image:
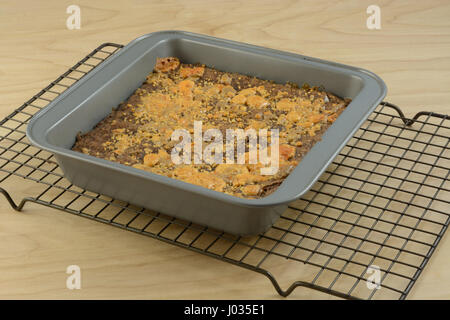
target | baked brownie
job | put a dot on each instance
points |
(138, 133)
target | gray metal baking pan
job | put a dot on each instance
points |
(91, 99)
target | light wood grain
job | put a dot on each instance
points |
(411, 53)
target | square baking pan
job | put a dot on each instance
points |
(92, 98)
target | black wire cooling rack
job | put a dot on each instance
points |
(383, 204)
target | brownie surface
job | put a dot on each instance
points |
(138, 132)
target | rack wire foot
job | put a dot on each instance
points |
(16, 207)
(410, 121)
(304, 284)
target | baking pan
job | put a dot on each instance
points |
(91, 99)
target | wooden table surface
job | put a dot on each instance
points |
(411, 52)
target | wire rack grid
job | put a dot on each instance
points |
(380, 208)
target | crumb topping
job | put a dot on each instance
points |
(138, 133)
